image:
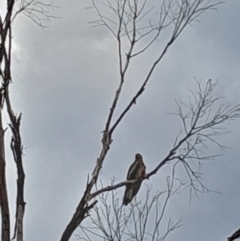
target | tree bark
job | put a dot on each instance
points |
(3, 188)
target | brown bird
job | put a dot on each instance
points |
(136, 170)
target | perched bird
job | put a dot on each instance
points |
(236, 235)
(136, 170)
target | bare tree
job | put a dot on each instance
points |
(202, 122)
(135, 36)
(16, 145)
(143, 220)
(38, 12)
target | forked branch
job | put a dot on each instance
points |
(203, 121)
(33, 9)
(130, 28)
(111, 221)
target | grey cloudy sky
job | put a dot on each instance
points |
(64, 79)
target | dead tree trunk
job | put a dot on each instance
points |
(3, 188)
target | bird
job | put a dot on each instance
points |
(236, 235)
(136, 170)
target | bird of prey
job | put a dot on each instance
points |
(236, 235)
(136, 170)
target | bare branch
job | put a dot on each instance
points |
(36, 10)
(200, 125)
(33, 9)
(234, 236)
(5, 73)
(113, 222)
(127, 24)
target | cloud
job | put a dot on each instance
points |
(64, 80)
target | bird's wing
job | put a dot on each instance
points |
(143, 170)
(132, 171)
(136, 188)
(128, 195)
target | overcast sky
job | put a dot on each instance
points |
(64, 79)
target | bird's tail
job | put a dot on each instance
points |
(127, 197)
(126, 201)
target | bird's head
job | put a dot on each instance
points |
(138, 156)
